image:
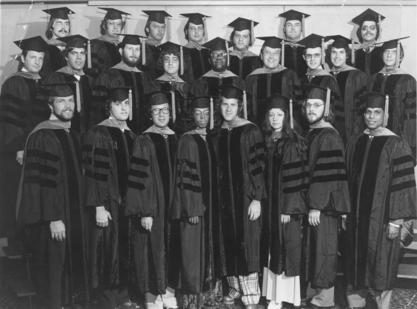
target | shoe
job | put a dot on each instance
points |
(129, 305)
(169, 300)
(253, 306)
(228, 300)
(274, 305)
(157, 304)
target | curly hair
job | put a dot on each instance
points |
(160, 62)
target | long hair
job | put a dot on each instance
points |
(49, 26)
(186, 30)
(160, 62)
(103, 25)
(233, 34)
(359, 35)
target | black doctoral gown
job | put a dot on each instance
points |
(294, 59)
(106, 156)
(243, 66)
(369, 62)
(152, 65)
(195, 194)
(22, 107)
(54, 59)
(383, 189)
(51, 189)
(150, 188)
(241, 161)
(196, 62)
(104, 54)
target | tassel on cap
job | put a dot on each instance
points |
(78, 96)
(379, 24)
(181, 60)
(228, 55)
(352, 48)
(143, 42)
(130, 105)
(245, 106)
(174, 113)
(398, 55)
(386, 111)
(252, 34)
(205, 30)
(291, 115)
(327, 103)
(283, 53)
(89, 54)
(211, 113)
(303, 26)
(323, 52)
(167, 28)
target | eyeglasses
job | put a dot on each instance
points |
(311, 56)
(163, 111)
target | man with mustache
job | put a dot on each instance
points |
(22, 107)
(125, 73)
(59, 26)
(50, 205)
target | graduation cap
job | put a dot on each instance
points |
(295, 15)
(274, 42)
(197, 19)
(219, 44)
(394, 43)
(321, 93)
(113, 14)
(283, 103)
(134, 39)
(236, 92)
(60, 89)
(78, 41)
(314, 41)
(378, 100)
(339, 41)
(35, 43)
(157, 16)
(204, 102)
(119, 94)
(61, 12)
(240, 24)
(174, 48)
(368, 15)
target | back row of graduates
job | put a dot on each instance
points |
(23, 106)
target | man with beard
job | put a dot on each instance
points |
(50, 205)
(106, 154)
(294, 31)
(327, 197)
(149, 195)
(212, 82)
(369, 57)
(195, 205)
(126, 74)
(22, 107)
(59, 26)
(76, 54)
(383, 188)
(197, 57)
(105, 48)
(155, 29)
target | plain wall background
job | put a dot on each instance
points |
(25, 20)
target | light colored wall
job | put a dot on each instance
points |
(19, 21)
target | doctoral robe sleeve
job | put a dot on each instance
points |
(402, 192)
(188, 197)
(97, 168)
(295, 179)
(409, 103)
(42, 185)
(328, 189)
(255, 149)
(142, 195)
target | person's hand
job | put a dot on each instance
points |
(254, 210)
(193, 220)
(344, 218)
(102, 216)
(57, 230)
(393, 230)
(285, 219)
(19, 157)
(146, 223)
(314, 217)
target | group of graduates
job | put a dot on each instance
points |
(175, 175)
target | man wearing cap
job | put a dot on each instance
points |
(172, 84)
(106, 155)
(294, 30)
(155, 29)
(211, 83)
(272, 78)
(369, 57)
(197, 57)
(50, 205)
(22, 107)
(352, 84)
(59, 26)
(240, 154)
(76, 55)
(381, 173)
(126, 74)
(242, 60)
(401, 88)
(105, 48)
(150, 185)
(327, 197)
(195, 204)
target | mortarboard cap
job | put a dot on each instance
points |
(157, 16)
(232, 92)
(339, 41)
(132, 39)
(321, 93)
(217, 44)
(368, 15)
(392, 43)
(240, 24)
(277, 101)
(118, 93)
(312, 41)
(59, 89)
(200, 102)
(158, 98)
(61, 12)
(35, 43)
(195, 18)
(271, 41)
(293, 15)
(113, 14)
(75, 41)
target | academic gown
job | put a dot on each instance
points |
(195, 194)
(240, 155)
(54, 59)
(150, 187)
(401, 88)
(329, 193)
(262, 83)
(287, 184)
(141, 85)
(196, 62)
(348, 115)
(243, 66)
(180, 90)
(51, 189)
(106, 155)
(294, 60)
(383, 189)
(22, 107)
(152, 65)
(104, 54)
(369, 62)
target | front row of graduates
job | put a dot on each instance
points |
(163, 217)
